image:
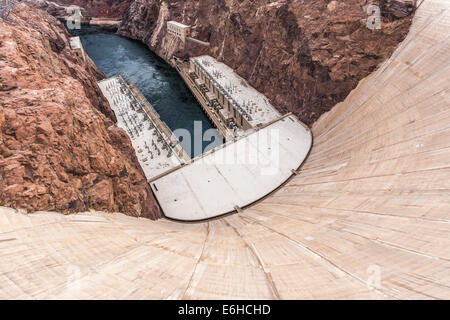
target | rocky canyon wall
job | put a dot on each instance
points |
(306, 56)
(113, 9)
(59, 146)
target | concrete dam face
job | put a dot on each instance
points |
(367, 216)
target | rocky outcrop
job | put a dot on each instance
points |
(306, 56)
(50, 7)
(113, 9)
(59, 146)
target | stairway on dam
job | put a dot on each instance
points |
(370, 203)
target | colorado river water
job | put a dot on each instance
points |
(158, 81)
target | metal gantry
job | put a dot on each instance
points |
(7, 6)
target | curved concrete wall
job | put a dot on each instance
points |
(236, 175)
(368, 217)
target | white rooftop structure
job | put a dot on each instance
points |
(179, 25)
(75, 43)
(248, 98)
(236, 175)
(77, 46)
(152, 150)
(178, 29)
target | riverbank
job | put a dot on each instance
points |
(160, 84)
(304, 56)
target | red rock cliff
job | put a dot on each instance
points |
(59, 147)
(113, 9)
(306, 56)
